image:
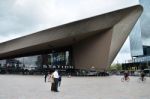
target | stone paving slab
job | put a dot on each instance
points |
(34, 87)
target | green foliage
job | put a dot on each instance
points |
(115, 67)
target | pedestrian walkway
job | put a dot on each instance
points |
(34, 87)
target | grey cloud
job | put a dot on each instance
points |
(6, 7)
(22, 16)
(15, 19)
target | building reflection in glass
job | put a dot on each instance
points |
(59, 60)
(2, 63)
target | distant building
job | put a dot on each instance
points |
(140, 40)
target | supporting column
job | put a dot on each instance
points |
(93, 51)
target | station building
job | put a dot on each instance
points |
(91, 42)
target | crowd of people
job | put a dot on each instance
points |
(55, 79)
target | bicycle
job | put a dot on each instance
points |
(123, 79)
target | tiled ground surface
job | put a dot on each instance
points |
(33, 87)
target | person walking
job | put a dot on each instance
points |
(59, 80)
(142, 75)
(45, 76)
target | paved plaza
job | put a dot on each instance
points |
(34, 87)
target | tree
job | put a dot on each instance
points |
(115, 67)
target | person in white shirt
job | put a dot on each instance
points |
(55, 76)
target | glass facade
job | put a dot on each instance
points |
(141, 59)
(145, 22)
(2, 63)
(136, 41)
(59, 60)
(30, 62)
(140, 40)
(140, 37)
(146, 50)
(55, 60)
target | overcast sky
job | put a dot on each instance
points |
(23, 17)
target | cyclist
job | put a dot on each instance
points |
(126, 75)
